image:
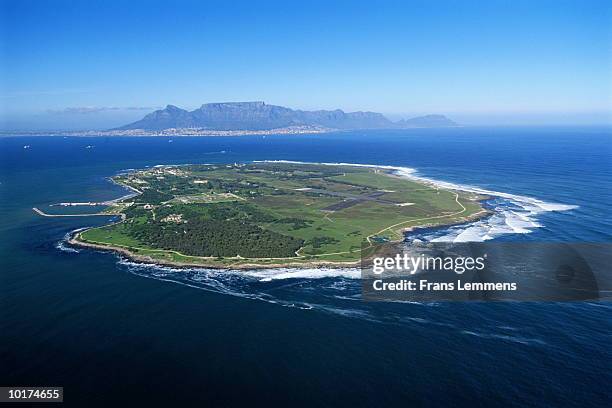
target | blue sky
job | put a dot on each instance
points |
(98, 64)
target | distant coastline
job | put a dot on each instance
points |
(251, 118)
(254, 116)
(292, 130)
(179, 132)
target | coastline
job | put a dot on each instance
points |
(75, 239)
(199, 132)
(176, 132)
(213, 263)
(532, 205)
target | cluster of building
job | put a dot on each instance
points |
(196, 132)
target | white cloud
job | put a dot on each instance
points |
(99, 109)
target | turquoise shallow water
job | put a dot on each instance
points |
(112, 331)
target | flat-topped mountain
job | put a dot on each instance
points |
(261, 116)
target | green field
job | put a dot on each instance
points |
(272, 213)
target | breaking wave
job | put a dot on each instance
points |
(335, 290)
(267, 275)
(332, 291)
(64, 248)
(505, 337)
(511, 213)
(63, 245)
(266, 285)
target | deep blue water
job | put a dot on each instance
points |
(113, 332)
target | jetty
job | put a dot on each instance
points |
(44, 214)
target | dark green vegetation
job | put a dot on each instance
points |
(218, 229)
(272, 213)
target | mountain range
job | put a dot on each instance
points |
(261, 116)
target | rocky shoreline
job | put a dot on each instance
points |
(77, 241)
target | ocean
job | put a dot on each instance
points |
(115, 332)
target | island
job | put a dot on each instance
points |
(270, 214)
